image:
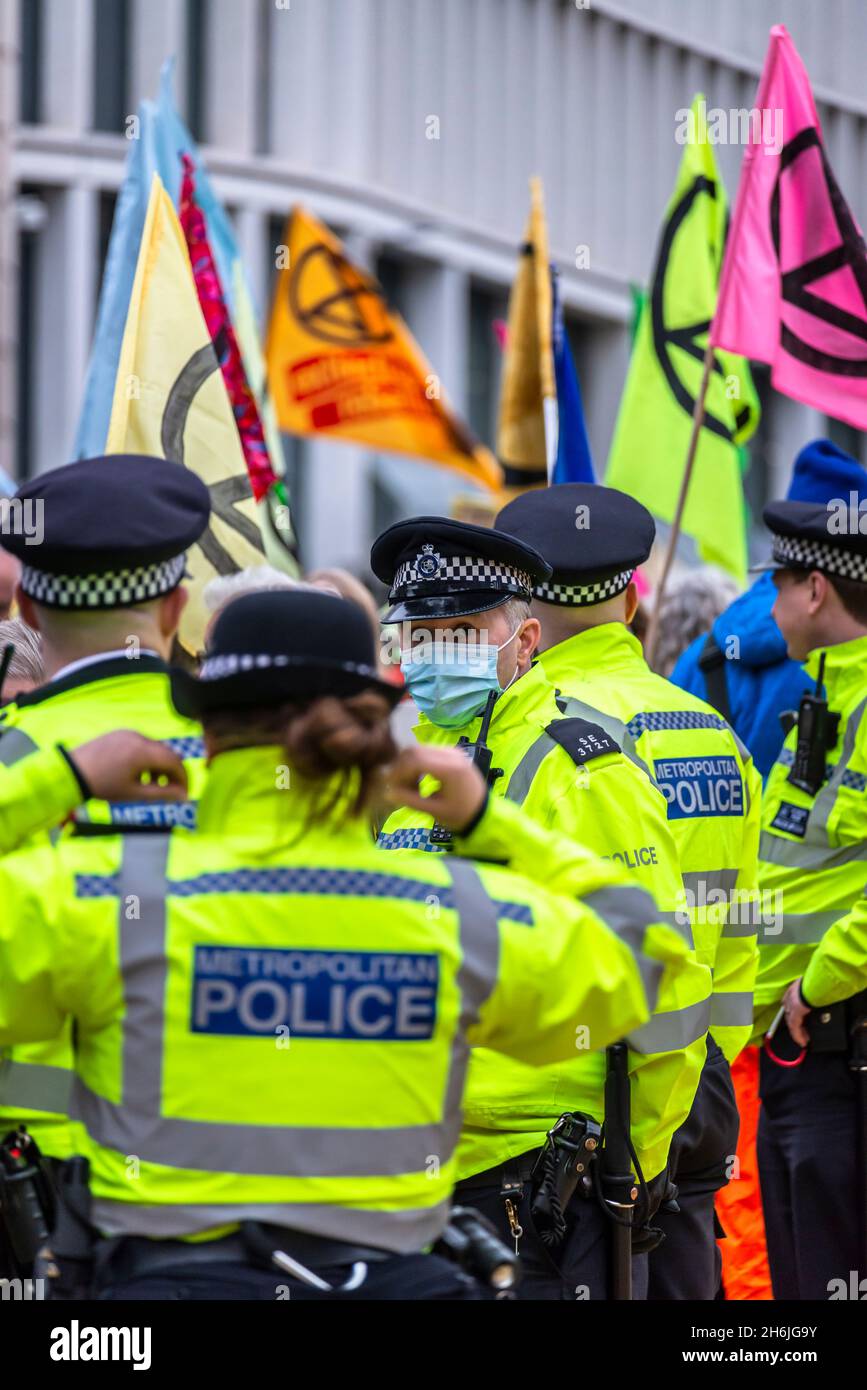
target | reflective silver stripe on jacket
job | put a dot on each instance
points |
(731, 1009)
(403, 1231)
(524, 775)
(32, 1086)
(699, 885)
(803, 928)
(137, 1126)
(669, 1032)
(613, 726)
(628, 912)
(15, 745)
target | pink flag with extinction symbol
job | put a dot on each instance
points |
(793, 290)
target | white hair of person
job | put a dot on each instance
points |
(254, 580)
(693, 601)
(26, 661)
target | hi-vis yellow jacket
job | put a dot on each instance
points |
(607, 805)
(813, 856)
(273, 1021)
(713, 793)
(111, 693)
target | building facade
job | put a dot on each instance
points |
(411, 127)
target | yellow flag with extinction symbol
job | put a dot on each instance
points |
(170, 400)
(648, 452)
(527, 433)
(343, 365)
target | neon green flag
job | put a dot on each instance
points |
(648, 452)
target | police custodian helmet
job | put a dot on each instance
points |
(107, 532)
(283, 645)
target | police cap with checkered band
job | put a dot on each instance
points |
(437, 568)
(283, 645)
(107, 532)
(817, 536)
(593, 537)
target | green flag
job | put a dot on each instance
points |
(648, 452)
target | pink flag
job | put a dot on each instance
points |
(793, 291)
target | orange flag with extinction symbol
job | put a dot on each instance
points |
(342, 365)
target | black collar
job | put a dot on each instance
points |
(112, 667)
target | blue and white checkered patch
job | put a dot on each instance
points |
(655, 720)
(416, 837)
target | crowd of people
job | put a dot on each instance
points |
(406, 950)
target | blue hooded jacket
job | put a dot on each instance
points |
(761, 679)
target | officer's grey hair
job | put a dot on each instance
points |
(26, 661)
(692, 602)
(253, 580)
(517, 610)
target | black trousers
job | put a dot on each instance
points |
(808, 1169)
(404, 1277)
(688, 1265)
(576, 1270)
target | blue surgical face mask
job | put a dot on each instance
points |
(451, 687)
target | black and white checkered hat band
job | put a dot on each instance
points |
(112, 589)
(581, 595)
(802, 553)
(216, 668)
(470, 570)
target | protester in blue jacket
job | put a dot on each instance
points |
(741, 666)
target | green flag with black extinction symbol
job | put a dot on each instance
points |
(648, 452)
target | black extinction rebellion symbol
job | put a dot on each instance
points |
(687, 335)
(817, 183)
(228, 491)
(351, 313)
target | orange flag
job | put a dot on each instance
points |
(342, 365)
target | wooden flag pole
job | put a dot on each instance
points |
(697, 421)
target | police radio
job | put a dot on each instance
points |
(817, 735)
(481, 757)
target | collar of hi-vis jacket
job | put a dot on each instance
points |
(604, 648)
(845, 672)
(252, 795)
(529, 699)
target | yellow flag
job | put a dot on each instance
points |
(342, 365)
(170, 400)
(527, 433)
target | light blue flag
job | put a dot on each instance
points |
(162, 138)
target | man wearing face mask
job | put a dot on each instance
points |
(461, 595)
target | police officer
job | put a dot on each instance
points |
(813, 958)
(461, 595)
(272, 1015)
(104, 589)
(594, 538)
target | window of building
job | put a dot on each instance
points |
(31, 61)
(845, 436)
(487, 308)
(107, 204)
(196, 66)
(111, 64)
(28, 251)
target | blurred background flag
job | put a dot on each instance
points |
(574, 462)
(159, 139)
(343, 365)
(652, 432)
(170, 400)
(794, 282)
(527, 429)
(267, 486)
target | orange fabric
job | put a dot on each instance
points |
(739, 1205)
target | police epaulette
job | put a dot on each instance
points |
(582, 739)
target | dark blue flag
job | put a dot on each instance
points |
(574, 463)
